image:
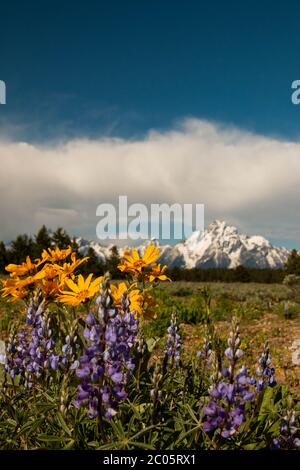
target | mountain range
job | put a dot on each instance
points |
(219, 246)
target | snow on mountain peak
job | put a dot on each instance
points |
(220, 245)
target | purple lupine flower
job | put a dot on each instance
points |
(141, 344)
(106, 365)
(156, 381)
(173, 343)
(13, 359)
(230, 392)
(68, 359)
(233, 352)
(289, 437)
(35, 310)
(31, 352)
(205, 352)
(265, 372)
(226, 410)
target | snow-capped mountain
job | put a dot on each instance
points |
(102, 252)
(220, 246)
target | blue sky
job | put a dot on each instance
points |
(122, 67)
(105, 69)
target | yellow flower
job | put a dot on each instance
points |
(21, 269)
(136, 301)
(157, 273)
(10, 288)
(151, 254)
(67, 269)
(51, 277)
(16, 294)
(51, 288)
(32, 279)
(50, 271)
(134, 264)
(80, 292)
(16, 287)
(56, 255)
(134, 296)
(149, 305)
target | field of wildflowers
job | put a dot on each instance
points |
(81, 369)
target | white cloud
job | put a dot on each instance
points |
(250, 180)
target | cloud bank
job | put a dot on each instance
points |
(249, 180)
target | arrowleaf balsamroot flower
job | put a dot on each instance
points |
(17, 288)
(67, 269)
(17, 270)
(51, 288)
(47, 274)
(134, 263)
(157, 273)
(149, 305)
(55, 255)
(84, 290)
(134, 296)
(143, 269)
(12, 288)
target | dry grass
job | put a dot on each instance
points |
(279, 333)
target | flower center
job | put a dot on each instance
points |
(82, 296)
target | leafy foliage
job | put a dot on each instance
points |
(70, 360)
(45, 418)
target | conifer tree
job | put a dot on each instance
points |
(293, 263)
(61, 238)
(42, 240)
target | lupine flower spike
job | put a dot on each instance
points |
(173, 343)
(229, 394)
(205, 352)
(106, 365)
(289, 432)
(265, 372)
(30, 353)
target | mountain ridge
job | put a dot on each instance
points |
(219, 246)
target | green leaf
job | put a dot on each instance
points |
(70, 444)
(63, 424)
(46, 438)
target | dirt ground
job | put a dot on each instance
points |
(281, 335)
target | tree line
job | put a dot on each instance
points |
(238, 274)
(25, 245)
